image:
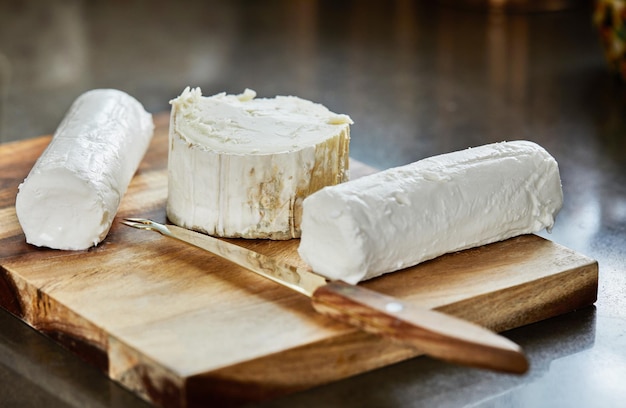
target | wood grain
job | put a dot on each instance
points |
(434, 333)
(183, 328)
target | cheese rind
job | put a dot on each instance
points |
(406, 215)
(240, 166)
(72, 193)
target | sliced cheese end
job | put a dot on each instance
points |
(59, 209)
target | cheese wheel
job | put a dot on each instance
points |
(72, 193)
(239, 166)
(406, 215)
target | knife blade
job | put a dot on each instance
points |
(433, 333)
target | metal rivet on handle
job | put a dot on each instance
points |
(394, 307)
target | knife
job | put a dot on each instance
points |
(433, 333)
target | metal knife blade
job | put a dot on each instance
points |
(434, 333)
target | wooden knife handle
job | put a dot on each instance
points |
(436, 334)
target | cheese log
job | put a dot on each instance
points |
(406, 215)
(72, 193)
(239, 166)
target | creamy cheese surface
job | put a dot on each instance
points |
(406, 215)
(239, 166)
(72, 193)
(248, 125)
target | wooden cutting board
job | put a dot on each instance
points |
(183, 328)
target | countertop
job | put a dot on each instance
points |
(418, 79)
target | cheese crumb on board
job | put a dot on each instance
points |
(240, 166)
(406, 215)
(72, 193)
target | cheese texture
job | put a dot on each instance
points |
(406, 215)
(240, 166)
(72, 193)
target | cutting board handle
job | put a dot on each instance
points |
(433, 333)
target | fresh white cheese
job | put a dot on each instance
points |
(72, 193)
(402, 216)
(240, 166)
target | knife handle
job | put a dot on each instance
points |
(434, 333)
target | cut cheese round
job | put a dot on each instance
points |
(402, 216)
(72, 193)
(239, 166)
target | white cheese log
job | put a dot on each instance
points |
(72, 193)
(240, 166)
(403, 216)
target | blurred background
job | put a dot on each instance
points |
(411, 74)
(418, 78)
